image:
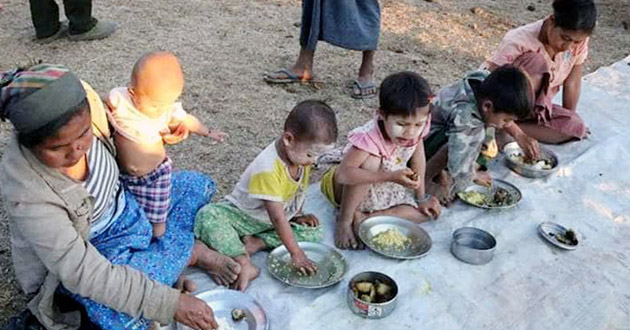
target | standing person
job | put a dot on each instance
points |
(82, 26)
(552, 52)
(350, 24)
(76, 234)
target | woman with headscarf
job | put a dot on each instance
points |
(552, 52)
(76, 234)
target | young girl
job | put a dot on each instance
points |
(383, 166)
(562, 41)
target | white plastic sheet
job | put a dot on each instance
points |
(529, 284)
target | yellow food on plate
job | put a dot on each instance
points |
(391, 239)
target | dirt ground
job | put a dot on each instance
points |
(226, 45)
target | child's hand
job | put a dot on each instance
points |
(529, 145)
(217, 135)
(303, 264)
(405, 178)
(178, 133)
(431, 208)
(308, 220)
(482, 178)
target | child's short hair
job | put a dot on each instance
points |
(312, 121)
(575, 15)
(509, 90)
(402, 93)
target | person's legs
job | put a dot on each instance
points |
(364, 86)
(302, 234)
(79, 13)
(45, 16)
(302, 70)
(404, 211)
(544, 134)
(351, 197)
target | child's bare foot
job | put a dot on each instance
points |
(224, 270)
(253, 244)
(185, 285)
(248, 273)
(159, 229)
(344, 236)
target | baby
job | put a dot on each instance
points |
(265, 208)
(145, 116)
(383, 167)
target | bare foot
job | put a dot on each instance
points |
(344, 236)
(248, 273)
(220, 266)
(185, 285)
(359, 217)
(253, 244)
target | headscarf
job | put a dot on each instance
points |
(535, 64)
(33, 97)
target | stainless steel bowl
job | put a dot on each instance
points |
(473, 246)
(525, 170)
(372, 310)
(420, 241)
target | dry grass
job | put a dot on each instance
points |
(226, 45)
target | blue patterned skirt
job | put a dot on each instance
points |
(130, 242)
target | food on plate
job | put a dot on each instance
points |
(541, 164)
(391, 239)
(568, 237)
(373, 292)
(500, 197)
(238, 314)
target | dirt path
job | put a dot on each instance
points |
(226, 45)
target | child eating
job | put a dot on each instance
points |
(382, 169)
(461, 114)
(145, 115)
(265, 208)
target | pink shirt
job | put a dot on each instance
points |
(525, 39)
(370, 139)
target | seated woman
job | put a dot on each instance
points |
(76, 234)
(562, 41)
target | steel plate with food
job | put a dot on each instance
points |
(518, 162)
(558, 235)
(501, 195)
(331, 266)
(395, 237)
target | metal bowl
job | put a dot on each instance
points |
(420, 240)
(531, 171)
(331, 266)
(223, 302)
(496, 184)
(549, 230)
(372, 310)
(473, 246)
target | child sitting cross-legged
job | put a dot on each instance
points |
(383, 166)
(462, 113)
(265, 208)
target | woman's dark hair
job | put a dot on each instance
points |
(312, 121)
(34, 138)
(575, 15)
(402, 93)
(508, 89)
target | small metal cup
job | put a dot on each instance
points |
(372, 310)
(473, 246)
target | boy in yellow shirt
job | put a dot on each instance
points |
(265, 208)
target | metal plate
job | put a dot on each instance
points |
(223, 302)
(548, 230)
(331, 266)
(496, 184)
(531, 171)
(420, 240)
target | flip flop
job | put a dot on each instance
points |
(290, 77)
(367, 91)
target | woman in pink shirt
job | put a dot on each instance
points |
(551, 51)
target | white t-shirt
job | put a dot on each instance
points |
(135, 125)
(267, 178)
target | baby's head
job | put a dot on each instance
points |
(404, 106)
(309, 131)
(504, 96)
(157, 82)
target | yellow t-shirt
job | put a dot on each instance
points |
(267, 178)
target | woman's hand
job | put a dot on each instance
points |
(195, 313)
(405, 178)
(303, 264)
(529, 145)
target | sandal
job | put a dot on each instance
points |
(288, 78)
(366, 91)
